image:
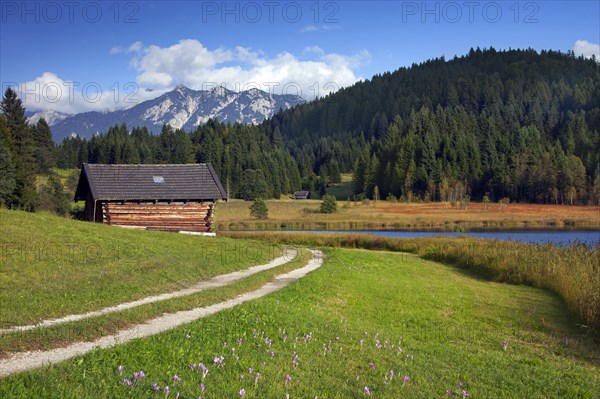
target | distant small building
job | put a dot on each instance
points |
(153, 197)
(302, 195)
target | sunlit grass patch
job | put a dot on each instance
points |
(434, 325)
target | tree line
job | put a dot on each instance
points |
(250, 163)
(511, 125)
(514, 124)
(26, 151)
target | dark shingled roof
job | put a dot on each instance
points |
(150, 182)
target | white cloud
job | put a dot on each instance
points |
(316, 28)
(311, 73)
(586, 49)
(309, 28)
(49, 92)
(135, 47)
(188, 62)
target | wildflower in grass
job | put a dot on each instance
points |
(155, 387)
(242, 393)
(138, 375)
(367, 391)
(176, 378)
(256, 377)
(225, 344)
(449, 392)
(166, 391)
(460, 384)
(372, 366)
(120, 370)
(391, 375)
(406, 379)
(240, 340)
(127, 382)
(362, 341)
(202, 387)
(505, 345)
(399, 350)
(465, 394)
(288, 378)
(241, 377)
(188, 336)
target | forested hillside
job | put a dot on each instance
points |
(490, 125)
(513, 124)
(250, 164)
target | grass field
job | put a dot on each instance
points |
(51, 266)
(367, 323)
(45, 338)
(377, 215)
(572, 272)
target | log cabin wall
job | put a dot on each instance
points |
(166, 216)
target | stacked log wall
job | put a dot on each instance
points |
(168, 216)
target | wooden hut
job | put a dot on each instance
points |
(302, 195)
(153, 197)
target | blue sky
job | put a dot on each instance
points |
(53, 50)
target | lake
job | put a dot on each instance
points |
(561, 238)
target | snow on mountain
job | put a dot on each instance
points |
(181, 108)
(51, 117)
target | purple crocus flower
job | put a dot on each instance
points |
(256, 377)
(120, 370)
(367, 391)
(449, 392)
(155, 387)
(202, 387)
(288, 378)
(242, 393)
(176, 378)
(465, 394)
(167, 390)
(406, 379)
(505, 345)
(127, 382)
(372, 365)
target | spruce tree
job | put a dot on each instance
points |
(24, 195)
(44, 149)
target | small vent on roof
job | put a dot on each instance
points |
(158, 179)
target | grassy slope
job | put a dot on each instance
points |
(96, 327)
(51, 266)
(452, 328)
(303, 214)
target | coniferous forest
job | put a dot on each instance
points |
(491, 125)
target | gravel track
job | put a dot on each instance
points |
(31, 360)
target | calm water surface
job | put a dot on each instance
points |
(562, 238)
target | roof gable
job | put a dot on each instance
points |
(150, 182)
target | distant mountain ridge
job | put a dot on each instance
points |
(181, 108)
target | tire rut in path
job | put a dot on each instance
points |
(31, 360)
(215, 282)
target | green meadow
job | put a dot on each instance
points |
(52, 266)
(367, 323)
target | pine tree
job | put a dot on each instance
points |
(259, 210)
(44, 149)
(24, 195)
